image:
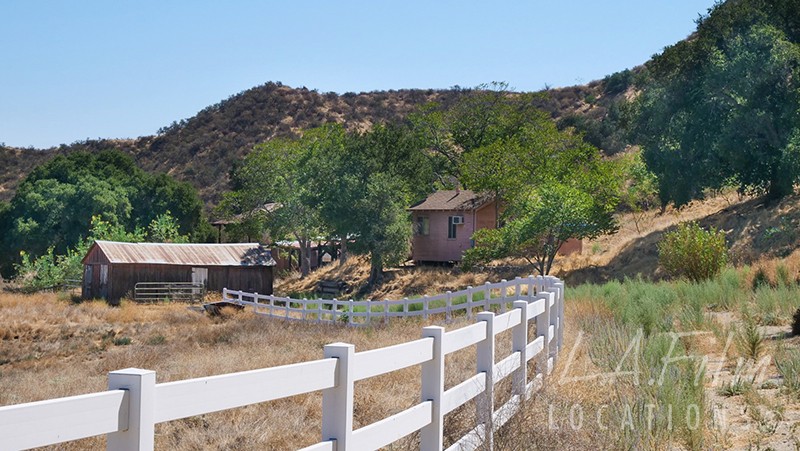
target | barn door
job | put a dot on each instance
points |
(87, 282)
(104, 281)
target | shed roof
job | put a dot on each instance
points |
(228, 254)
(457, 200)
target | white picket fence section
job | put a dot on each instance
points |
(134, 403)
(490, 296)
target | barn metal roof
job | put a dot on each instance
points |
(456, 200)
(228, 254)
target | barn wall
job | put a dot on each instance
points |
(123, 278)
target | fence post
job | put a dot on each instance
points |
(469, 302)
(319, 311)
(303, 315)
(448, 305)
(517, 288)
(350, 312)
(488, 298)
(504, 297)
(542, 330)
(386, 311)
(432, 436)
(405, 307)
(520, 343)
(485, 358)
(425, 306)
(337, 402)
(531, 287)
(224, 294)
(560, 303)
(141, 387)
(369, 311)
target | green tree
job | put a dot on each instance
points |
(361, 184)
(273, 172)
(538, 223)
(724, 106)
(54, 206)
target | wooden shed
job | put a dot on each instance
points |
(111, 269)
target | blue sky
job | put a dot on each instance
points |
(89, 69)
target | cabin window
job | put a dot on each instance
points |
(451, 228)
(423, 225)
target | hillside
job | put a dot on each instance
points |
(204, 148)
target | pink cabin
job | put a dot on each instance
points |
(445, 221)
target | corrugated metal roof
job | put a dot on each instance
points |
(457, 200)
(229, 254)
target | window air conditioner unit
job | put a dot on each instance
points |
(458, 220)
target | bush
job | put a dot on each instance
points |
(693, 252)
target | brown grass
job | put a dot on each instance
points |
(52, 348)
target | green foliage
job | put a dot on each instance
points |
(51, 270)
(618, 82)
(640, 191)
(165, 229)
(539, 224)
(55, 204)
(724, 106)
(692, 252)
(750, 340)
(761, 279)
(788, 363)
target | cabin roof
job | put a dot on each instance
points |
(453, 200)
(227, 254)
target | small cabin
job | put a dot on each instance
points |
(112, 269)
(445, 221)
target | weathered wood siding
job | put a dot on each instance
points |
(437, 247)
(122, 278)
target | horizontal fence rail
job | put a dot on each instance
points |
(134, 403)
(169, 291)
(490, 296)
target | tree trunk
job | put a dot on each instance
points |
(343, 252)
(376, 269)
(305, 258)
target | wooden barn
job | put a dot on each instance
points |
(112, 269)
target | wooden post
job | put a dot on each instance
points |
(485, 358)
(520, 343)
(141, 386)
(425, 306)
(386, 311)
(432, 436)
(405, 307)
(337, 402)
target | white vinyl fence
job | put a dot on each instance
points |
(134, 403)
(491, 296)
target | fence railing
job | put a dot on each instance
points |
(168, 291)
(490, 296)
(134, 403)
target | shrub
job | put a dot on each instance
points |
(693, 252)
(761, 279)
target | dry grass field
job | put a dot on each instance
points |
(51, 347)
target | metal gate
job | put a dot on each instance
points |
(169, 291)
